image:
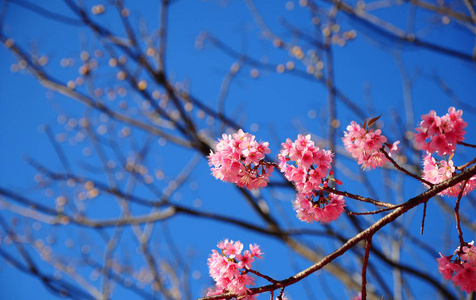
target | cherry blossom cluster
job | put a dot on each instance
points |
(239, 158)
(462, 269)
(309, 173)
(229, 268)
(436, 171)
(310, 166)
(440, 134)
(364, 145)
(311, 207)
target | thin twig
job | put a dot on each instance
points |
(423, 218)
(368, 245)
(261, 275)
(398, 167)
(467, 145)
(458, 224)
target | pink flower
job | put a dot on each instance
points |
(256, 251)
(461, 270)
(437, 172)
(469, 253)
(240, 282)
(446, 266)
(228, 268)
(308, 173)
(333, 209)
(441, 144)
(466, 278)
(393, 149)
(245, 260)
(443, 132)
(364, 146)
(430, 122)
(239, 158)
(232, 249)
(312, 163)
(323, 210)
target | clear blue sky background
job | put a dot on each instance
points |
(273, 106)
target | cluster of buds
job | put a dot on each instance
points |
(230, 268)
(462, 269)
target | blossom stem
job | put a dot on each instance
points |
(269, 164)
(458, 223)
(374, 212)
(261, 275)
(359, 198)
(467, 145)
(404, 170)
(466, 164)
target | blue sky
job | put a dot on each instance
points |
(273, 106)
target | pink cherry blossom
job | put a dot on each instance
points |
(469, 253)
(311, 163)
(232, 249)
(229, 268)
(333, 209)
(245, 260)
(324, 209)
(239, 158)
(438, 171)
(461, 270)
(256, 251)
(466, 278)
(365, 144)
(308, 167)
(440, 134)
(446, 266)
